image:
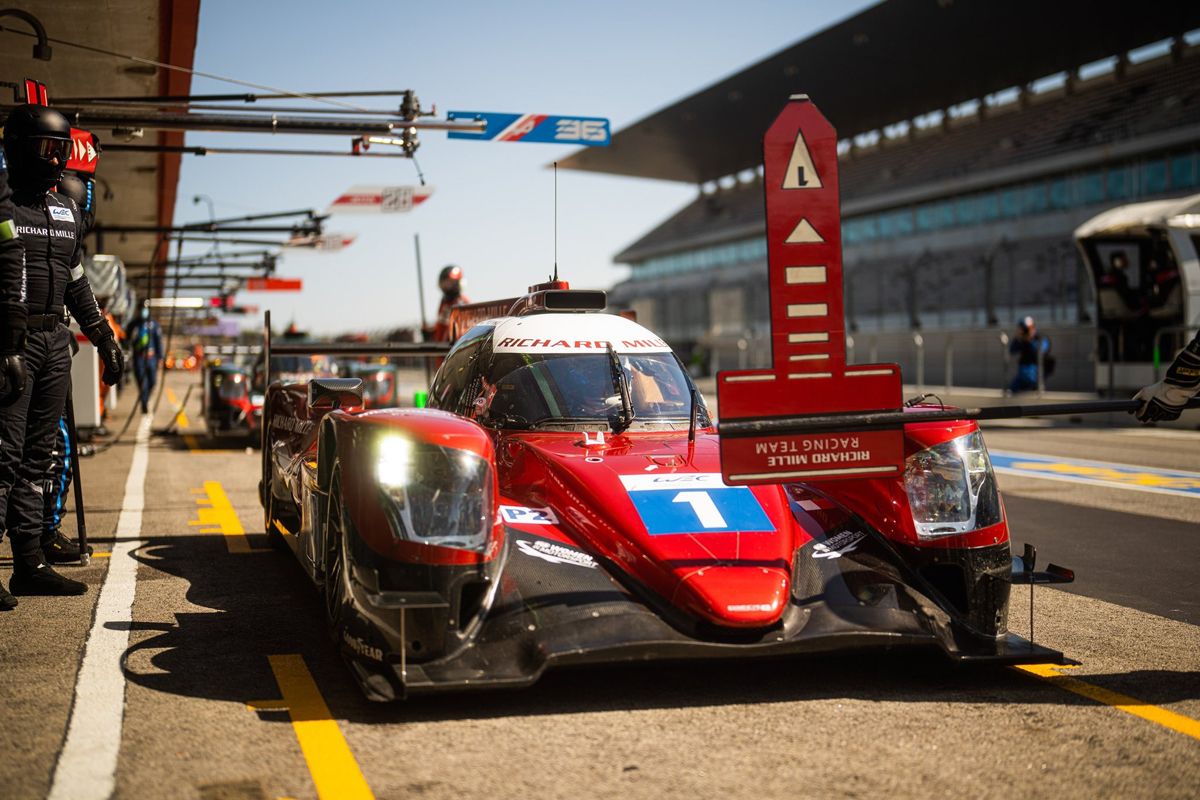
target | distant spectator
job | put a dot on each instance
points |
(1025, 346)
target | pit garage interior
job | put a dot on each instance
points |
(133, 188)
(975, 139)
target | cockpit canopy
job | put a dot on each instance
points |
(561, 373)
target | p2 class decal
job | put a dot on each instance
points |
(523, 515)
(505, 127)
(555, 553)
(695, 503)
(809, 374)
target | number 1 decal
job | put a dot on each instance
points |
(706, 510)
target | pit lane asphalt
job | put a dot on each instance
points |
(207, 620)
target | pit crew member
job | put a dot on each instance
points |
(37, 142)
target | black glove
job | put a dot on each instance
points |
(12, 378)
(12, 348)
(1163, 401)
(113, 360)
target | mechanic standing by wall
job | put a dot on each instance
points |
(145, 335)
(12, 315)
(1164, 401)
(1025, 346)
(56, 547)
(37, 142)
(450, 281)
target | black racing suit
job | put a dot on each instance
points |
(12, 271)
(49, 226)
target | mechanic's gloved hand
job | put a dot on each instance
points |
(113, 360)
(1164, 400)
(12, 349)
(1161, 402)
(12, 378)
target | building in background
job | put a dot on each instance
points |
(976, 138)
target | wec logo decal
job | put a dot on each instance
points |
(839, 545)
(555, 553)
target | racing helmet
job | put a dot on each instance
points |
(37, 142)
(450, 280)
(82, 191)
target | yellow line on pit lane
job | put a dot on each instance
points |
(189, 439)
(335, 771)
(217, 515)
(1121, 702)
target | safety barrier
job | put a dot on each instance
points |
(944, 358)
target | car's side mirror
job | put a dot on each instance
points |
(335, 392)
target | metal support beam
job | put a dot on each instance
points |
(92, 118)
(243, 151)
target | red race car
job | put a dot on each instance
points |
(561, 501)
(566, 498)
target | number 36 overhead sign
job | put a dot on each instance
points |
(588, 131)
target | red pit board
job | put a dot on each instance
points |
(274, 284)
(84, 152)
(808, 345)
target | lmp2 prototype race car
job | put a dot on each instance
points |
(563, 500)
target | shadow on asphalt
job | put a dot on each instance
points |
(201, 442)
(261, 604)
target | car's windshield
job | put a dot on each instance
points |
(525, 390)
(377, 386)
(229, 386)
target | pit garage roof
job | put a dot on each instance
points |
(132, 188)
(892, 62)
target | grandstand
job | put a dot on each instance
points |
(959, 196)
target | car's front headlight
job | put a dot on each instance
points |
(435, 495)
(951, 488)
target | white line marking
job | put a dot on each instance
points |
(87, 765)
(748, 378)
(1084, 462)
(1178, 434)
(1021, 473)
(798, 375)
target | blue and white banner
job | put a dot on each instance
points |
(587, 131)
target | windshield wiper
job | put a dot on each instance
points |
(621, 384)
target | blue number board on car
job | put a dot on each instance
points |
(694, 503)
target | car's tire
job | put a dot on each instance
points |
(272, 513)
(334, 589)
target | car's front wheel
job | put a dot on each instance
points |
(273, 515)
(334, 589)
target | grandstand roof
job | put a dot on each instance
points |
(1152, 108)
(892, 62)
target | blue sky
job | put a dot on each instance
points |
(492, 212)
